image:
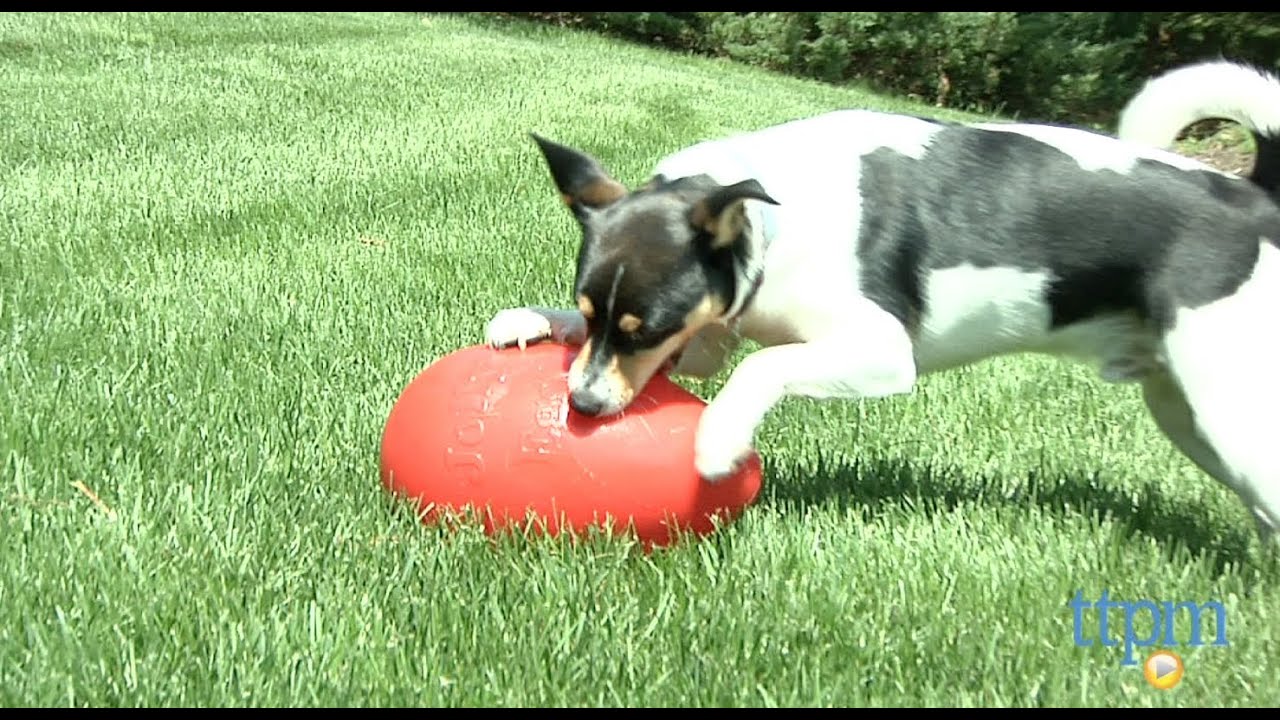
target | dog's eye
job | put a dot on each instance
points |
(647, 336)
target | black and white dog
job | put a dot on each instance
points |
(865, 249)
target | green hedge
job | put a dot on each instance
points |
(1053, 66)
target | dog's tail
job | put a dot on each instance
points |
(1219, 89)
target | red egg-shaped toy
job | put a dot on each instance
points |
(491, 431)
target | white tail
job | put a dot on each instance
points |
(1169, 103)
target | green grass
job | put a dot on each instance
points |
(230, 241)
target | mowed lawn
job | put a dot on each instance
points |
(228, 242)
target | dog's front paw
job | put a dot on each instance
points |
(720, 448)
(517, 326)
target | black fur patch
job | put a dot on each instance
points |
(1266, 164)
(1149, 241)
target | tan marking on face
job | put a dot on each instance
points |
(708, 310)
(725, 227)
(629, 323)
(579, 366)
(628, 374)
(585, 307)
(600, 192)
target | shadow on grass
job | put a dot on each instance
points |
(873, 487)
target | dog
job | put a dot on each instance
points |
(862, 250)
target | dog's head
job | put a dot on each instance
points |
(656, 265)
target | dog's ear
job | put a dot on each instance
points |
(721, 215)
(583, 183)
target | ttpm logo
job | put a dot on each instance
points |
(1145, 624)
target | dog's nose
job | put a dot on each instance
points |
(586, 403)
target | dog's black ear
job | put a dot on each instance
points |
(583, 183)
(721, 215)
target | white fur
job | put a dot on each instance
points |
(1226, 356)
(1010, 316)
(1094, 152)
(1123, 347)
(874, 361)
(520, 326)
(840, 138)
(1169, 103)
(963, 326)
(815, 244)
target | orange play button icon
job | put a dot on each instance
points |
(1163, 669)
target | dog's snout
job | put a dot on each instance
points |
(586, 403)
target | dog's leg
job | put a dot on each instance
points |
(1173, 415)
(875, 360)
(1231, 437)
(1224, 357)
(524, 325)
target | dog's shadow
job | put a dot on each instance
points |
(874, 487)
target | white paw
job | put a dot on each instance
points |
(720, 447)
(517, 326)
